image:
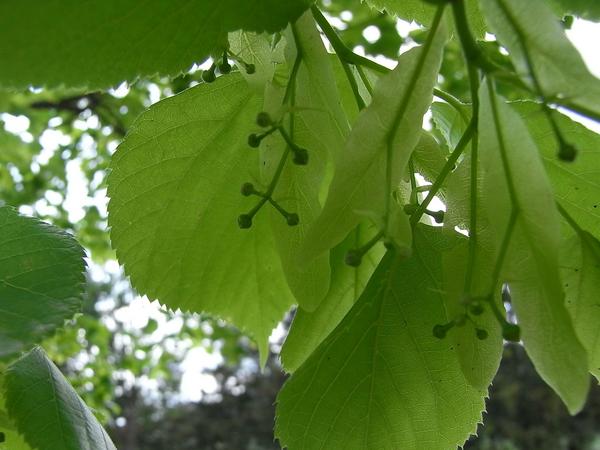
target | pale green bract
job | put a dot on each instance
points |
(99, 44)
(581, 275)
(576, 184)
(46, 410)
(381, 380)
(391, 123)
(319, 125)
(174, 201)
(545, 48)
(309, 329)
(41, 280)
(531, 268)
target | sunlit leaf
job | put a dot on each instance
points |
(182, 165)
(511, 162)
(381, 379)
(580, 263)
(391, 124)
(544, 49)
(318, 124)
(309, 329)
(576, 184)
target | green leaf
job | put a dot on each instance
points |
(422, 12)
(576, 184)
(41, 280)
(580, 261)
(318, 124)
(479, 359)
(390, 124)
(99, 44)
(531, 266)
(586, 9)
(309, 329)
(381, 379)
(46, 410)
(558, 67)
(174, 201)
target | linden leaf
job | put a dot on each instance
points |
(45, 408)
(41, 280)
(391, 124)
(174, 199)
(99, 44)
(381, 380)
(511, 163)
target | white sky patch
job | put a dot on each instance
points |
(585, 35)
(120, 91)
(77, 191)
(15, 124)
(404, 28)
(346, 15)
(195, 382)
(372, 34)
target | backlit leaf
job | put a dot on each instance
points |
(531, 267)
(534, 36)
(381, 380)
(390, 124)
(182, 165)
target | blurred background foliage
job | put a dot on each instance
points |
(55, 148)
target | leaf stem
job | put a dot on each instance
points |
(512, 221)
(340, 48)
(365, 79)
(472, 256)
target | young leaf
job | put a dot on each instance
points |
(318, 124)
(389, 126)
(174, 200)
(543, 47)
(100, 44)
(576, 184)
(309, 329)
(515, 180)
(381, 379)
(41, 280)
(46, 410)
